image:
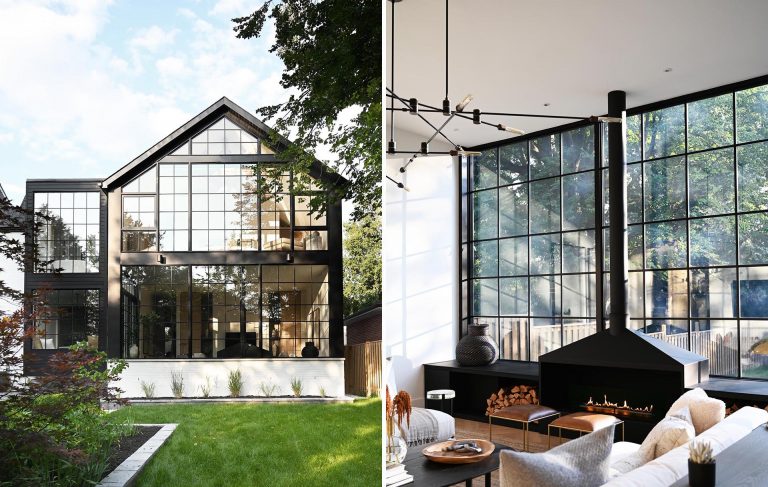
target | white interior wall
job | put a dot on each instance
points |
(420, 265)
(313, 373)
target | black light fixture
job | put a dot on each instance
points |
(160, 259)
(425, 148)
(413, 106)
(476, 116)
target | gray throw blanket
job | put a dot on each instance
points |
(423, 427)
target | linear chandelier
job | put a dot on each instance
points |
(416, 108)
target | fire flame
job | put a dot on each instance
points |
(608, 404)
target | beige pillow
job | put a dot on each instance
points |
(582, 462)
(705, 411)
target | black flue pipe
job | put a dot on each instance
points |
(617, 210)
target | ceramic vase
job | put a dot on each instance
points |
(701, 474)
(310, 350)
(477, 348)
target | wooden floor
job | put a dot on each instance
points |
(501, 434)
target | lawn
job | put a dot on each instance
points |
(264, 444)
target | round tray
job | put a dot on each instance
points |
(436, 454)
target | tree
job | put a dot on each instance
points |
(332, 55)
(362, 264)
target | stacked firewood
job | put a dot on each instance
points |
(521, 394)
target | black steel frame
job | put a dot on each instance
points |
(465, 191)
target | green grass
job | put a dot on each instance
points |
(264, 444)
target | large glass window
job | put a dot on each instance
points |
(68, 238)
(697, 191)
(532, 243)
(224, 311)
(69, 316)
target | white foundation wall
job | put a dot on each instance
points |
(313, 373)
(420, 265)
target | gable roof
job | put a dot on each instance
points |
(199, 122)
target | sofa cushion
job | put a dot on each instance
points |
(427, 426)
(669, 468)
(673, 431)
(705, 411)
(582, 462)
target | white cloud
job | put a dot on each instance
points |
(154, 38)
(232, 8)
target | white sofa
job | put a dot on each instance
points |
(671, 467)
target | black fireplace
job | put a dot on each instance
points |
(628, 367)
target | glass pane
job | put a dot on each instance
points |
(664, 132)
(486, 259)
(666, 294)
(636, 295)
(710, 122)
(579, 251)
(485, 213)
(713, 293)
(752, 114)
(578, 149)
(485, 167)
(710, 181)
(545, 206)
(674, 332)
(753, 292)
(717, 340)
(633, 139)
(753, 239)
(513, 256)
(513, 210)
(665, 189)
(545, 296)
(634, 246)
(545, 156)
(514, 296)
(579, 201)
(513, 163)
(665, 245)
(514, 339)
(545, 254)
(753, 176)
(634, 194)
(485, 294)
(754, 334)
(713, 241)
(545, 336)
(579, 295)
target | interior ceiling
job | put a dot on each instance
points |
(515, 56)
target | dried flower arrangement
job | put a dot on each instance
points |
(398, 408)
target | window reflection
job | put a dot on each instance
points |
(69, 316)
(68, 237)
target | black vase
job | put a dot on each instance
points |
(310, 350)
(701, 474)
(477, 348)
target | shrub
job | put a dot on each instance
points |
(177, 384)
(296, 386)
(268, 389)
(148, 388)
(205, 389)
(235, 383)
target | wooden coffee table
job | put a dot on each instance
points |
(432, 474)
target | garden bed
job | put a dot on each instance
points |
(129, 444)
(240, 399)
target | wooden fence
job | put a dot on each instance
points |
(362, 369)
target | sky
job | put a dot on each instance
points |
(87, 85)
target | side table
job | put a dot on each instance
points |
(442, 395)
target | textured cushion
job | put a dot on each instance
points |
(584, 421)
(705, 411)
(524, 412)
(582, 462)
(427, 426)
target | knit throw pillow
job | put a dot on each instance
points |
(582, 462)
(705, 411)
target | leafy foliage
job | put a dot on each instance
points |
(332, 55)
(296, 386)
(235, 383)
(362, 264)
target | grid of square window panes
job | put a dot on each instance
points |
(139, 232)
(173, 207)
(310, 224)
(68, 316)
(698, 228)
(236, 311)
(68, 238)
(223, 138)
(531, 272)
(275, 212)
(225, 206)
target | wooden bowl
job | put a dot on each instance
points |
(436, 454)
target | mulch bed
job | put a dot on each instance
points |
(128, 445)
